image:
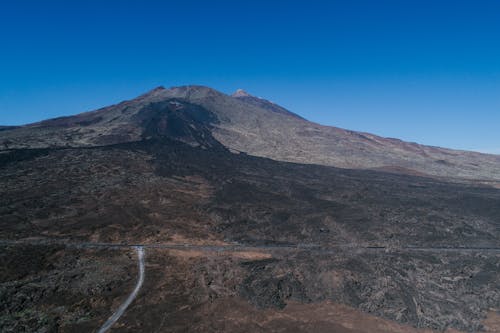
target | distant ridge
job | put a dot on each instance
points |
(199, 115)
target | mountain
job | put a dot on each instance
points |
(262, 103)
(235, 242)
(249, 124)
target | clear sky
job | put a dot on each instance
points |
(420, 70)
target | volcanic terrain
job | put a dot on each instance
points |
(252, 219)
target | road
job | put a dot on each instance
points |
(140, 248)
(241, 247)
(119, 312)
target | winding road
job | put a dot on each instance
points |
(119, 312)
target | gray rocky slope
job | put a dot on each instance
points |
(245, 123)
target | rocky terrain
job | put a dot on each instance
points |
(253, 125)
(54, 288)
(261, 245)
(75, 290)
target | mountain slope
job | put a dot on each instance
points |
(262, 103)
(256, 241)
(162, 191)
(249, 124)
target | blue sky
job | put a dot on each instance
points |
(421, 70)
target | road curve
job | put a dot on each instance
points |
(119, 312)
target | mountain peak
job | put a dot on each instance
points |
(153, 92)
(159, 88)
(156, 90)
(241, 93)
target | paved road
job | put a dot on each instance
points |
(242, 247)
(119, 312)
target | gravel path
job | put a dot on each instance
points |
(119, 312)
